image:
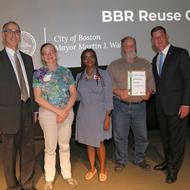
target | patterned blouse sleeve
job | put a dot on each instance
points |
(70, 78)
(37, 83)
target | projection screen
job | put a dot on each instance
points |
(74, 25)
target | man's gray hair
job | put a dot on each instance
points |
(129, 38)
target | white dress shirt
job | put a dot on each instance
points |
(10, 53)
(165, 51)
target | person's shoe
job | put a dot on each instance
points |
(144, 165)
(162, 166)
(103, 177)
(171, 178)
(119, 167)
(48, 185)
(89, 175)
(72, 182)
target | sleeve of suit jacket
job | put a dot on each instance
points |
(185, 68)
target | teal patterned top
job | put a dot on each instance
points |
(54, 84)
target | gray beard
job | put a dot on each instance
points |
(131, 55)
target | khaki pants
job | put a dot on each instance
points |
(54, 134)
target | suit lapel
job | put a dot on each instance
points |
(167, 59)
(9, 68)
(155, 65)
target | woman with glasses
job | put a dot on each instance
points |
(93, 116)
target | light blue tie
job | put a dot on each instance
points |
(161, 62)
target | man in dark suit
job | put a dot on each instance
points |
(16, 110)
(171, 69)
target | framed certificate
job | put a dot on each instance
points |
(137, 83)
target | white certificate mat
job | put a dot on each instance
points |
(137, 83)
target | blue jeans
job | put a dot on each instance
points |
(126, 116)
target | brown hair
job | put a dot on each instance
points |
(43, 46)
(157, 28)
(47, 44)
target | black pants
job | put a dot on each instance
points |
(23, 143)
(173, 132)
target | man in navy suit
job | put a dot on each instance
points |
(16, 112)
(171, 69)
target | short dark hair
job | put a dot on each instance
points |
(157, 28)
(10, 22)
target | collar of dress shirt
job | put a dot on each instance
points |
(91, 76)
(165, 51)
(10, 51)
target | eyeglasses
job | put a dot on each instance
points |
(11, 32)
(88, 57)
